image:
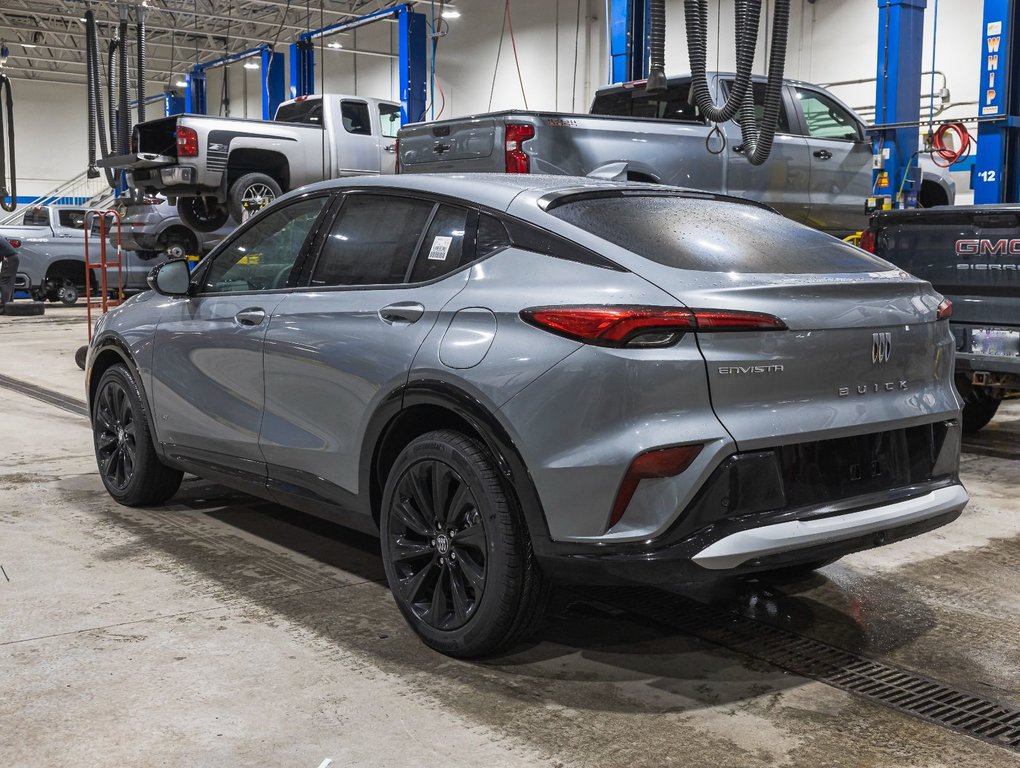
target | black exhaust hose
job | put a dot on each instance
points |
(97, 124)
(111, 90)
(90, 30)
(758, 141)
(656, 47)
(747, 16)
(140, 63)
(124, 109)
(8, 196)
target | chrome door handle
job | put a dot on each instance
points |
(390, 148)
(402, 312)
(823, 154)
(251, 316)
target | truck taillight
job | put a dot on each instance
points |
(15, 242)
(187, 142)
(516, 159)
(868, 240)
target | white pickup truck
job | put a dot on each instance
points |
(215, 167)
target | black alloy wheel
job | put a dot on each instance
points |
(456, 548)
(126, 455)
(438, 545)
(116, 435)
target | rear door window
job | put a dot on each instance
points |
(445, 245)
(713, 236)
(71, 219)
(372, 241)
(354, 116)
(758, 91)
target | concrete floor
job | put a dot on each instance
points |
(221, 630)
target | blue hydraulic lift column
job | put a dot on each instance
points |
(897, 93)
(413, 61)
(628, 39)
(194, 92)
(273, 82)
(995, 177)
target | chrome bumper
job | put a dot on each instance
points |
(737, 548)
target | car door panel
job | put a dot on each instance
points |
(335, 351)
(784, 180)
(841, 161)
(207, 371)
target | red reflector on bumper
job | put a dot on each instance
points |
(662, 462)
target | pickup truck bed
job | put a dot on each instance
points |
(971, 254)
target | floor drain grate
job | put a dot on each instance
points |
(900, 689)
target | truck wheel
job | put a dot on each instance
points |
(178, 246)
(202, 214)
(68, 295)
(251, 193)
(978, 409)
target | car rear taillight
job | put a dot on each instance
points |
(516, 159)
(15, 242)
(187, 142)
(945, 310)
(662, 462)
(634, 326)
(868, 240)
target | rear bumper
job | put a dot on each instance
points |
(740, 547)
(755, 544)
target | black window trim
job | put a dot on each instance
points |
(201, 269)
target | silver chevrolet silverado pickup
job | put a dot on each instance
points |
(215, 167)
(819, 174)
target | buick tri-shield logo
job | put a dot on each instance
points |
(881, 347)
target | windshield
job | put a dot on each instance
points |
(713, 235)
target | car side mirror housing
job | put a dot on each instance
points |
(171, 278)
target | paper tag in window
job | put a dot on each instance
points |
(440, 248)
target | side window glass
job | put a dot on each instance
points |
(354, 115)
(36, 217)
(389, 120)
(71, 219)
(673, 104)
(826, 119)
(758, 90)
(263, 256)
(491, 236)
(372, 241)
(442, 250)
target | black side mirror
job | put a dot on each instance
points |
(171, 278)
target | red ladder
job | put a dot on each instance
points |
(103, 301)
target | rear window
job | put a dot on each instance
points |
(308, 112)
(36, 217)
(714, 236)
(671, 104)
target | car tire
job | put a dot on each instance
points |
(203, 214)
(459, 562)
(178, 246)
(978, 409)
(68, 295)
(24, 308)
(251, 192)
(128, 465)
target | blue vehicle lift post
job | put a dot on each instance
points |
(995, 177)
(271, 73)
(628, 40)
(412, 58)
(900, 48)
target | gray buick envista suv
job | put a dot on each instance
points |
(520, 379)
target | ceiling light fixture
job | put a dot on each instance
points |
(334, 45)
(451, 13)
(28, 45)
(181, 83)
(251, 64)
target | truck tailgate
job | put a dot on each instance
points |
(138, 160)
(466, 145)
